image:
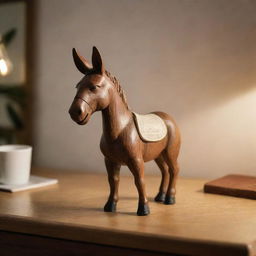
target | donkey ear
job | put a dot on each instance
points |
(97, 61)
(81, 63)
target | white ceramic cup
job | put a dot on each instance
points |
(15, 164)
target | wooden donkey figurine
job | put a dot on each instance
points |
(128, 138)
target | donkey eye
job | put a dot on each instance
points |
(93, 88)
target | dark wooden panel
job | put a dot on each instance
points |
(13, 244)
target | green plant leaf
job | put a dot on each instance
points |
(8, 36)
(16, 120)
(16, 93)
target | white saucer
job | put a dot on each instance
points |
(34, 182)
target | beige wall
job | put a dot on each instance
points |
(195, 59)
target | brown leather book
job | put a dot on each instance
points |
(233, 185)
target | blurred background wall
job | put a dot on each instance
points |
(195, 59)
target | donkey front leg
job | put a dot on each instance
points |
(136, 166)
(113, 170)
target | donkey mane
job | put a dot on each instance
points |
(118, 87)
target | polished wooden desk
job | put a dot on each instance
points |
(67, 219)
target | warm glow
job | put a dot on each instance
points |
(5, 63)
(224, 137)
(3, 67)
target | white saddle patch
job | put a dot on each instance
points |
(150, 127)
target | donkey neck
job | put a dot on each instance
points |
(115, 117)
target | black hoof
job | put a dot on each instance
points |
(110, 206)
(160, 197)
(143, 210)
(169, 200)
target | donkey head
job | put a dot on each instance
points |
(93, 90)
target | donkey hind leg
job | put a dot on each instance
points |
(113, 170)
(173, 172)
(160, 197)
(136, 166)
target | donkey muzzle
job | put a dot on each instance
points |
(80, 111)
